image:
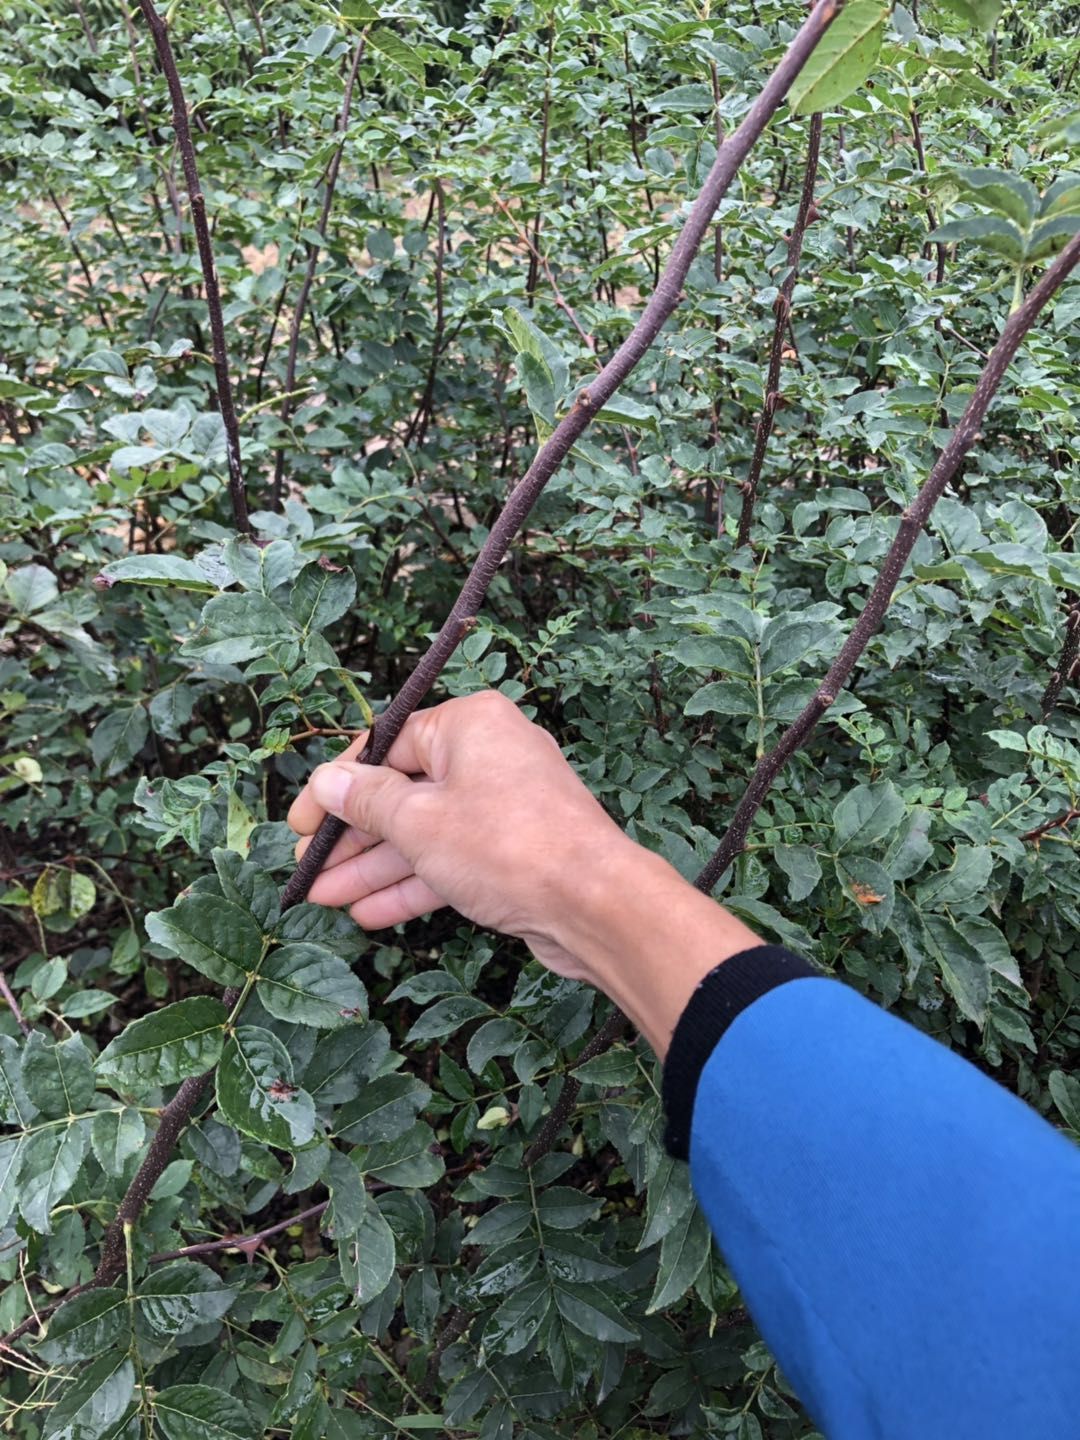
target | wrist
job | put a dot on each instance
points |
(643, 934)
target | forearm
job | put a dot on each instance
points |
(646, 936)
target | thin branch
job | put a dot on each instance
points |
(542, 260)
(563, 1108)
(81, 258)
(782, 308)
(418, 425)
(916, 135)
(247, 1243)
(13, 1005)
(545, 130)
(553, 452)
(237, 492)
(313, 252)
(912, 521)
(1059, 823)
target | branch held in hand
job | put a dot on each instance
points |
(589, 402)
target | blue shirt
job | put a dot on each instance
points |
(905, 1232)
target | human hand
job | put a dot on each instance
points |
(476, 808)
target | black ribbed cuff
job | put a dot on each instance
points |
(723, 994)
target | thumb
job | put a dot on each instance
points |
(369, 797)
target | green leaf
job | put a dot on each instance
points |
(167, 1046)
(116, 1135)
(85, 1326)
(788, 641)
(30, 588)
(616, 1066)
(842, 60)
(966, 877)
(1008, 194)
(247, 886)
(991, 232)
(410, 1160)
(870, 887)
(667, 1200)
(119, 737)
(382, 1109)
(58, 1078)
(256, 1091)
(516, 1321)
(625, 410)
(562, 1208)
(684, 100)
(497, 1037)
(1052, 235)
(684, 1252)
(867, 814)
(445, 1017)
(203, 1412)
(802, 868)
(16, 1107)
(591, 1311)
(344, 1060)
(980, 14)
(214, 936)
(13, 1151)
(963, 969)
(179, 1297)
(93, 1401)
(320, 597)
(61, 897)
(368, 1257)
(539, 387)
(240, 627)
(911, 848)
(1065, 1092)
(307, 985)
(166, 570)
(398, 52)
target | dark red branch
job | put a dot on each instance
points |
(553, 452)
(237, 491)
(912, 521)
(1068, 666)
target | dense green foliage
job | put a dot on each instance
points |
(165, 685)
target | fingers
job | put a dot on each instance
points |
(374, 799)
(350, 844)
(360, 876)
(305, 815)
(406, 900)
(410, 753)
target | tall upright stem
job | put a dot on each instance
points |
(237, 492)
(782, 307)
(313, 252)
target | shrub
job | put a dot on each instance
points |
(409, 1181)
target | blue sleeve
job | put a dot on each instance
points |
(905, 1232)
